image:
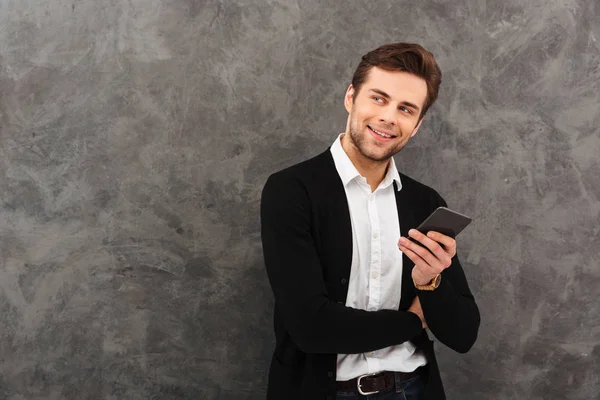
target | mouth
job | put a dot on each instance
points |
(381, 135)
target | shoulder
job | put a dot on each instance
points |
(304, 173)
(420, 191)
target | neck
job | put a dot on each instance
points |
(373, 171)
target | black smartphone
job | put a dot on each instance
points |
(445, 221)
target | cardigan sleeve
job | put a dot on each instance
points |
(450, 310)
(316, 323)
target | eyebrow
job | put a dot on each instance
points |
(387, 96)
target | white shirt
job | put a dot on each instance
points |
(376, 272)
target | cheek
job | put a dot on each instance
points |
(366, 111)
(359, 119)
(408, 125)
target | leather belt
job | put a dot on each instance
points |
(374, 383)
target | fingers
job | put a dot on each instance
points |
(449, 244)
(442, 253)
(416, 303)
(415, 308)
(422, 258)
(438, 258)
(428, 263)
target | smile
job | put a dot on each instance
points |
(380, 135)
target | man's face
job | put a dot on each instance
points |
(387, 103)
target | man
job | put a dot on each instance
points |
(353, 296)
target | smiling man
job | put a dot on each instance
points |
(353, 296)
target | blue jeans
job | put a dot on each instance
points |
(410, 389)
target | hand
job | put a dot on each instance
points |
(428, 264)
(415, 308)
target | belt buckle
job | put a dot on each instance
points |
(358, 384)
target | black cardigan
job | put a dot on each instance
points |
(307, 246)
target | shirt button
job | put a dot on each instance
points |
(330, 374)
(374, 275)
(375, 235)
(344, 281)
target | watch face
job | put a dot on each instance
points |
(437, 280)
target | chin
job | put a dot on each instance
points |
(378, 156)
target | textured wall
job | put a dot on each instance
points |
(135, 138)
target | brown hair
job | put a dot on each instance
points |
(407, 57)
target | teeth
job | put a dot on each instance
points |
(381, 134)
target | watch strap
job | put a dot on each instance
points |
(434, 284)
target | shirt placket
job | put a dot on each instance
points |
(374, 270)
(375, 261)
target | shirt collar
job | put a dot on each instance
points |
(348, 171)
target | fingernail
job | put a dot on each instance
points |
(412, 231)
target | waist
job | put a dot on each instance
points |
(403, 357)
(375, 383)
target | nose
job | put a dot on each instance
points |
(388, 115)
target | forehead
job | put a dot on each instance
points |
(399, 85)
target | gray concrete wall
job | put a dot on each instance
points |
(135, 138)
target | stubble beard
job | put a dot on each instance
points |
(361, 143)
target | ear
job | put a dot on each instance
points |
(414, 132)
(348, 98)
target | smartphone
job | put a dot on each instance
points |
(445, 221)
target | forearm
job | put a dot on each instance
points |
(453, 317)
(334, 328)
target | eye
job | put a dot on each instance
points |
(406, 110)
(377, 99)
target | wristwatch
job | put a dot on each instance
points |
(435, 282)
